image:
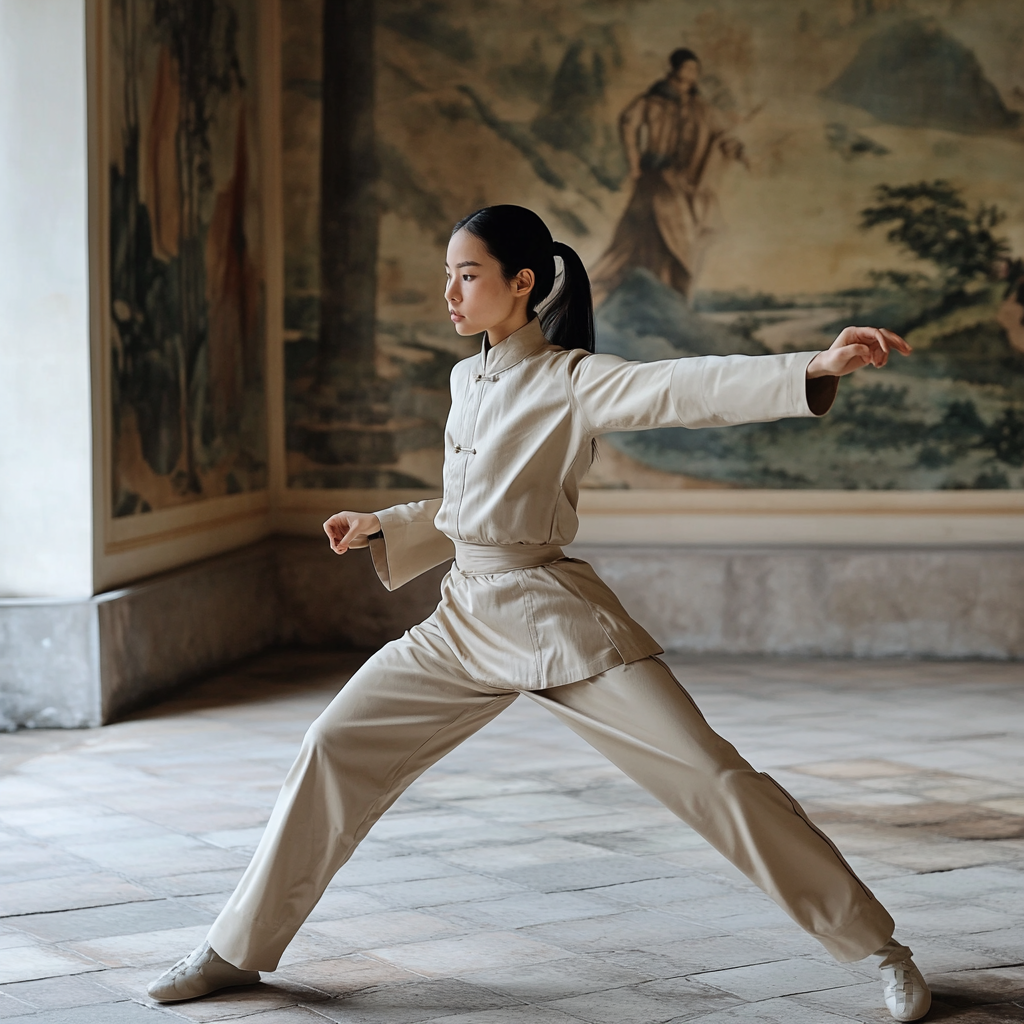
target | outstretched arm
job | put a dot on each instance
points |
(716, 391)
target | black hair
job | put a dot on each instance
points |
(679, 57)
(519, 240)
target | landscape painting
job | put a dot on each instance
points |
(186, 303)
(747, 177)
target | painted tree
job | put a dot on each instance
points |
(931, 220)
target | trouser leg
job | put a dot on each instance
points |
(642, 719)
(408, 706)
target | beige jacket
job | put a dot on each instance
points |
(515, 611)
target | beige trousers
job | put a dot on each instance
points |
(411, 703)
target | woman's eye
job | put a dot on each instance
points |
(468, 277)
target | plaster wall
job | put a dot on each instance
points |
(45, 420)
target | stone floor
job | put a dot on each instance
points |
(523, 880)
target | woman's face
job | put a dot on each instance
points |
(478, 296)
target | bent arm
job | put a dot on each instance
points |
(703, 391)
(410, 543)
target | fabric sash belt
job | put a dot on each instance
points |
(484, 559)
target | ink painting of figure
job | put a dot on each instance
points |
(678, 146)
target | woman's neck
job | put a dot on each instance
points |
(519, 318)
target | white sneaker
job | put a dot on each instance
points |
(906, 992)
(201, 972)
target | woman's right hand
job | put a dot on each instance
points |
(350, 530)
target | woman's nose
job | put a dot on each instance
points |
(451, 291)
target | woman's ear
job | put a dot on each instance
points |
(524, 282)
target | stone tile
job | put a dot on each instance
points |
(1011, 805)
(525, 839)
(342, 976)
(164, 855)
(407, 826)
(505, 857)
(25, 861)
(571, 976)
(475, 785)
(977, 988)
(531, 807)
(656, 841)
(234, 838)
(18, 791)
(119, 919)
(432, 892)
(779, 978)
(27, 963)
(636, 929)
(641, 1004)
(509, 1015)
(777, 1011)
(59, 993)
(591, 874)
(656, 892)
(255, 1002)
(707, 860)
(616, 820)
(738, 912)
(942, 919)
(415, 1002)
(860, 768)
(124, 1012)
(966, 883)
(284, 1015)
(10, 1007)
(86, 889)
(14, 937)
(371, 930)
(926, 857)
(467, 835)
(387, 870)
(529, 908)
(443, 957)
(143, 948)
(196, 883)
(340, 902)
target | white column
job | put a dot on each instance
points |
(46, 489)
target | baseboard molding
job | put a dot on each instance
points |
(68, 664)
(818, 601)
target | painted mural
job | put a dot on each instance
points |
(746, 176)
(186, 278)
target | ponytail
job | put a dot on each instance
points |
(568, 315)
(519, 240)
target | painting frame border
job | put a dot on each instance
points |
(735, 517)
(128, 548)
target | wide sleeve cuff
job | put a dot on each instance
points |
(410, 545)
(821, 394)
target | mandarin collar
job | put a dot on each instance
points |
(516, 347)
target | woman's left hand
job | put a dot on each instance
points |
(855, 348)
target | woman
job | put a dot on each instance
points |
(517, 616)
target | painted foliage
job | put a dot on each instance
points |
(186, 276)
(746, 176)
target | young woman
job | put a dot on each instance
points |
(518, 617)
